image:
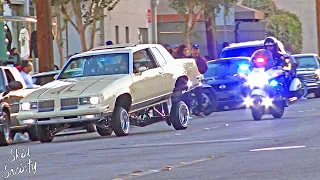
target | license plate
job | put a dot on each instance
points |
(259, 92)
(224, 95)
(57, 118)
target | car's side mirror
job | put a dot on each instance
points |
(142, 69)
(15, 85)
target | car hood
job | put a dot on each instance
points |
(85, 86)
(222, 80)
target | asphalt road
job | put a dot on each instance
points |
(225, 145)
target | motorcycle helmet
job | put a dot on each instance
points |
(270, 41)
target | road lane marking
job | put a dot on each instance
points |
(193, 142)
(277, 148)
(167, 168)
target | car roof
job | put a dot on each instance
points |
(119, 48)
(245, 44)
(251, 44)
(302, 55)
(231, 58)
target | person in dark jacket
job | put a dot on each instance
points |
(200, 60)
(202, 67)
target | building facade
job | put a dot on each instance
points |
(128, 22)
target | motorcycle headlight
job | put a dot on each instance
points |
(27, 106)
(258, 80)
(94, 100)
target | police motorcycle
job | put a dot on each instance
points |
(268, 92)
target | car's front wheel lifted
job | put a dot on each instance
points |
(120, 121)
(5, 132)
(179, 115)
(45, 133)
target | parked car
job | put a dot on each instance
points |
(114, 87)
(245, 49)
(226, 76)
(309, 71)
(46, 77)
(12, 90)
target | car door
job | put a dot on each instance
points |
(149, 86)
(167, 70)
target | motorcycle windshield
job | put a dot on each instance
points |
(261, 59)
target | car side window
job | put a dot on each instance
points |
(158, 56)
(9, 76)
(318, 60)
(143, 58)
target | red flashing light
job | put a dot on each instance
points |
(260, 60)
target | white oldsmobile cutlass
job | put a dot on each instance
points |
(113, 87)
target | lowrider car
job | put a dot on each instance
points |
(114, 87)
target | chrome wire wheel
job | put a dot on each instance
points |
(184, 115)
(125, 121)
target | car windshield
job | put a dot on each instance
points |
(2, 83)
(306, 62)
(223, 68)
(96, 65)
(239, 52)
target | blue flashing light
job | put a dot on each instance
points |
(244, 67)
(273, 83)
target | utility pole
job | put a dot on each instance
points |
(45, 37)
(154, 4)
(318, 23)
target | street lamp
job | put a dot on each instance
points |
(154, 4)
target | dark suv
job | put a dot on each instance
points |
(226, 77)
(309, 72)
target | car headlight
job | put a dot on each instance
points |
(27, 106)
(94, 100)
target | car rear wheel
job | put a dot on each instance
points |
(317, 93)
(179, 115)
(5, 134)
(45, 134)
(120, 121)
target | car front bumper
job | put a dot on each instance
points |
(233, 97)
(65, 119)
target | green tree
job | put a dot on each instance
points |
(283, 25)
(286, 26)
(192, 10)
(266, 6)
(87, 13)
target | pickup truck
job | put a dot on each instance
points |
(12, 90)
(309, 72)
(114, 87)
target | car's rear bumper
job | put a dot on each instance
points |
(66, 119)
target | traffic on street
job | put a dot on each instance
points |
(224, 145)
(116, 90)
